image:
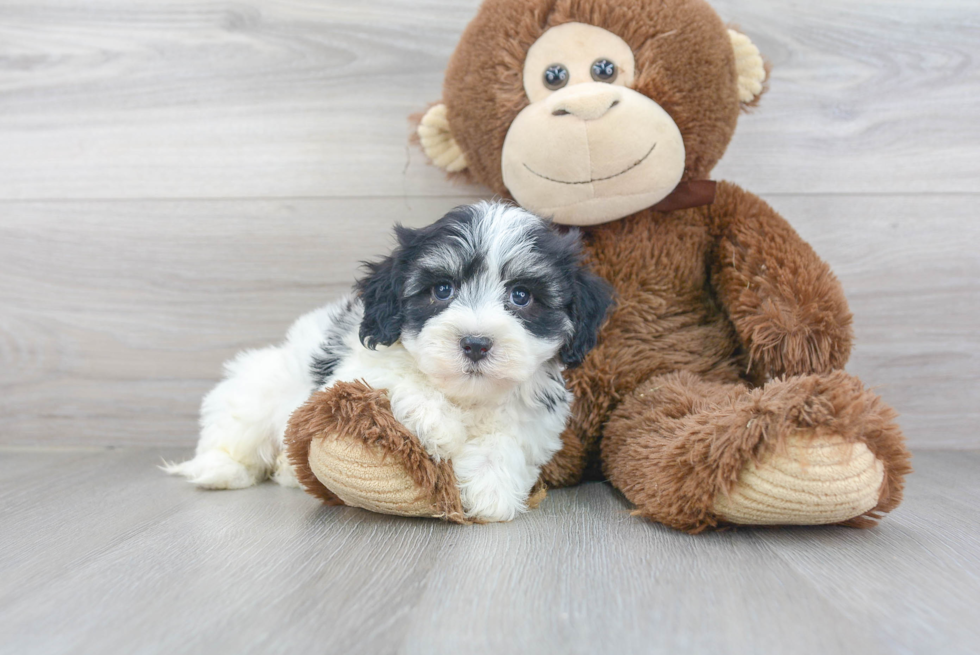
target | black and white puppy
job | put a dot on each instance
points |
(468, 325)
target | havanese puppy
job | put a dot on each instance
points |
(467, 325)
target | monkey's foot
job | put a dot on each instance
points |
(814, 478)
(802, 450)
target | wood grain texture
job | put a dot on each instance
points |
(115, 316)
(869, 96)
(104, 554)
(210, 99)
(119, 309)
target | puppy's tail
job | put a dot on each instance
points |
(214, 469)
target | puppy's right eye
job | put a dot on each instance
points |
(443, 291)
(520, 296)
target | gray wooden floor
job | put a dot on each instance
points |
(180, 179)
(103, 554)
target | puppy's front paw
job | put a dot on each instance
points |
(434, 421)
(283, 472)
(488, 503)
(443, 440)
(493, 484)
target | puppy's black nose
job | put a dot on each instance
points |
(476, 348)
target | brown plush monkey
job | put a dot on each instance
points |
(716, 393)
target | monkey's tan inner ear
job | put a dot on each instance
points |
(749, 66)
(438, 142)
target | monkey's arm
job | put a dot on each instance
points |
(787, 306)
(346, 447)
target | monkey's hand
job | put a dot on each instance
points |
(787, 306)
(346, 447)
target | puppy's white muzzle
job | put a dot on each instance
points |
(475, 351)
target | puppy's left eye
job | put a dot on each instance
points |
(443, 291)
(520, 296)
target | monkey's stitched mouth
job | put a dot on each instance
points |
(595, 179)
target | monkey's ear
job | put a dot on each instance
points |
(438, 142)
(750, 67)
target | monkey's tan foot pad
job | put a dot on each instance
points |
(812, 479)
(346, 447)
(364, 476)
(368, 477)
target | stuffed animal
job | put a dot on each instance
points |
(716, 394)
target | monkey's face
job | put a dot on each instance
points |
(588, 148)
(587, 112)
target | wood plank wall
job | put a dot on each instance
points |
(179, 179)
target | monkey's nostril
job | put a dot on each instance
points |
(559, 112)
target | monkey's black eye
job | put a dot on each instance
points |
(443, 291)
(603, 70)
(520, 296)
(555, 76)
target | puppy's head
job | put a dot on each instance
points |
(483, 297)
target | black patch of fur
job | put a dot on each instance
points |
(592, 297)
(538, 318)
(385, 310)
(333, 349)
(381, 294)
(420, 308)
(585, 298)
(473, 267)
(551, 398)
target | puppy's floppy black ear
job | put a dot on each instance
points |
(591, 299)
(381, 294)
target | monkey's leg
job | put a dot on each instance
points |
(803, 450)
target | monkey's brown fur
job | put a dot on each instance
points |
(729, 333)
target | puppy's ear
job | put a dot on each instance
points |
(380, 293)
(591, 299)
